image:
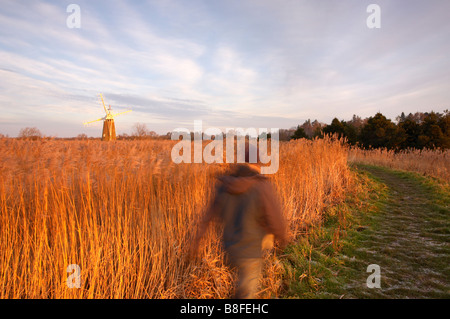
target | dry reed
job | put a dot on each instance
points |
(126, 215)
(435, 163)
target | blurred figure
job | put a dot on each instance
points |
(246, 204)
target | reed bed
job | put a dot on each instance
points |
(126, 215)
(435, 163)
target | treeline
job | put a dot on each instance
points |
(419, 131)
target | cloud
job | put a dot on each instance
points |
(245, 63)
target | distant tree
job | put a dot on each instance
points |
(381, 132)
(316, 124)
(318, 132)
(357, 123)
(152, 134)
(317, 129)
(286, 134)
(401, 118)
(336, 127)
(411, 131)
(444, 123)
(432, 136)
(82, 136)
(299, 133)
(140, 131)
(263, 135)
(123, 136)
(30, 133)
(308, 128)
(417, 117)
(341, 129)
(350, 132)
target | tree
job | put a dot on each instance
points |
(140, 130)
(444, 124)
(416, 117)
(308, 128)
(286, 134)
(401, 118)
(336, 127)
(357, 123)
(30, 133)
(152, 134)
(167, 136)
(411, 130)
(432, 136)
(350, 132)
(341, 129)
(318, 132)
(299, 133)
(82, 136)
(381, 132)
(317, 129)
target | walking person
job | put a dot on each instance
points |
(245, 202)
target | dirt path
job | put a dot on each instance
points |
(409, 239)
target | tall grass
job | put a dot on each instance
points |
(435, 163)
(126, 215)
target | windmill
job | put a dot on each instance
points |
(109, 129)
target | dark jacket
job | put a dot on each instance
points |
(245, 202)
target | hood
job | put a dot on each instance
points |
(242, 180)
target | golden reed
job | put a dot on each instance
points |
(126, 215)
(435, 163)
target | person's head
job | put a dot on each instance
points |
(251, 152)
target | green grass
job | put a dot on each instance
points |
(398, 220)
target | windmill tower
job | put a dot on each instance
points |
(109, 129)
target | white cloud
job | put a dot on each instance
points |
(248, 60)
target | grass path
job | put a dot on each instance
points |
(409, 239)
(407, 236)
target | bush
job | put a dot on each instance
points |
(31, 133)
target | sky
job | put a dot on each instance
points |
(229, 63)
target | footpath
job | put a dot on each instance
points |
(408, 239)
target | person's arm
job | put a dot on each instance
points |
(274, 220)
(209, 214)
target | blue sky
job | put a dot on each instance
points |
(229, 63)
